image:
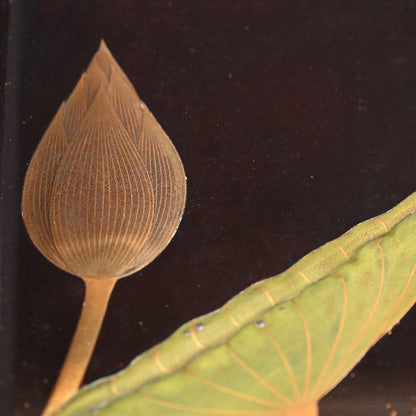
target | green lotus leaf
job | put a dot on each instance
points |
(283, 343)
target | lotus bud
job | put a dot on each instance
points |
(105, 190)
(103, 195)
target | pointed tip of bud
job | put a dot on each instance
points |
(103, 48)
(105, 58)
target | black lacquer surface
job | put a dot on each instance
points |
(295, 120)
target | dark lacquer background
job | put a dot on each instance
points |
(295, 120)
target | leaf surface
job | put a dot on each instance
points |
(282, 342)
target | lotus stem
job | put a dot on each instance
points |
(97, 295)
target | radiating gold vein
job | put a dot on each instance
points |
(380, 222)
(231, 317)
(285, 362)
(341, 249)
(337, 338)
(301, 274)
(267, 293)
(308, 348)
(387, 324)
(194, 338)
(357, 339)
(232, 392)
(113, 386)
(207, 410)
(256, 376)
(158, 361)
